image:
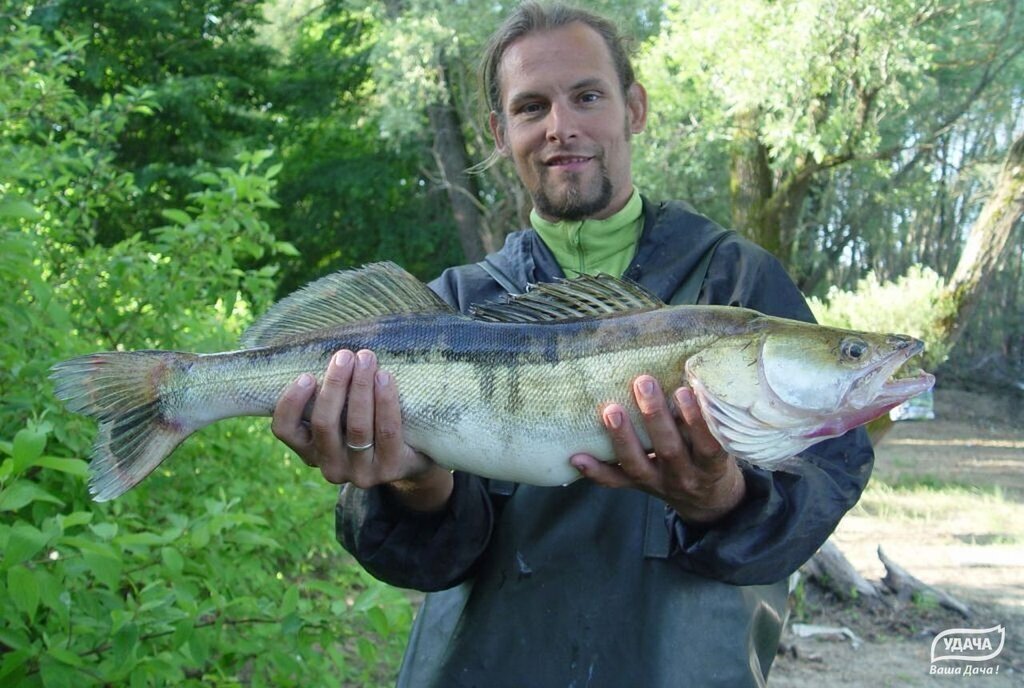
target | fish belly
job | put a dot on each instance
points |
(523, 422)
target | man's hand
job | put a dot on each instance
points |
(688, 468)
(370, 450)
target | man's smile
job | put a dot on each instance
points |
(567, 162)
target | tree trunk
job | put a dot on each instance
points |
(986, 242)
(765, 211)
(451, 158)
(750, 185)
(452, 163)
(907, 587)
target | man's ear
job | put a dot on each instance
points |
(636, 106)
(494, 121)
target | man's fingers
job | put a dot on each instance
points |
(354, 434)
(658, 420)
(287, 423)
(359, 431)
(688, 407)
(389, 444)
(325, 423)
(702, 442)
(606, 474)
(631, 454)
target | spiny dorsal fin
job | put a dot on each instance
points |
(586, 296)
(340, 298)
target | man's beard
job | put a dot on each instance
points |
(574, 205)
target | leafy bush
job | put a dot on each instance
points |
(912, 305)
(221, 568)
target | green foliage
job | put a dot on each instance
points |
(346, 197)
(925, 600)
(180, 583)
(912, 304)
(221, 569)
(204, 75)
(798, 599)
(810, 71)
(123, 291)
(868, 123)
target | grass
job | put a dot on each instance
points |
(983, 514)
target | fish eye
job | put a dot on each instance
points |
(853, 349)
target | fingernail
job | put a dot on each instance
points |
(383, 379)
(646, 387)
(343, 358)
(613, 418)
(364, 359)
(684, 397)
(305, 381)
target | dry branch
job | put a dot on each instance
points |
(907, 587)
(834, 572)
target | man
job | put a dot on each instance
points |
(668, 568)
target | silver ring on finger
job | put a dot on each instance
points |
(359, 447)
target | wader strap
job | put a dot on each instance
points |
(500, 277)
(689, 291)
(657, 539)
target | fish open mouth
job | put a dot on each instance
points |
(884, 387)
(891, 382)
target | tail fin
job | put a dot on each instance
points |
(122, 391)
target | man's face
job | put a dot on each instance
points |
(566, 124)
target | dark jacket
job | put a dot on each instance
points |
(588, 586)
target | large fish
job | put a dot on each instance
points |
(510, 391)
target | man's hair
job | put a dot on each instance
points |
(531, 17)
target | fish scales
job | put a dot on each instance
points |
(461, 380)
(405, 345)
(257, 376)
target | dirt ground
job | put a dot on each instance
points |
(946, 503)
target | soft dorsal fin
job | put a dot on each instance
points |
(342, 298)
(586, 296)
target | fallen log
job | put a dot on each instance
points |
(830, 569)
(906, 587)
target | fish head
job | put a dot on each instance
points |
(827, 372)
(783, 385)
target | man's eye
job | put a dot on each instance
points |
(590, 97)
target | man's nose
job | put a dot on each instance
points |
(562, 123)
